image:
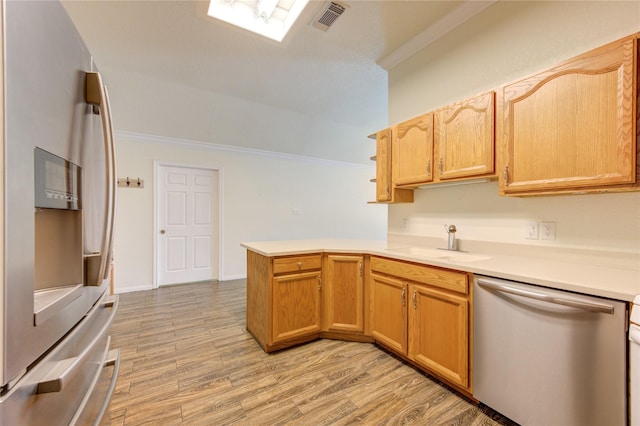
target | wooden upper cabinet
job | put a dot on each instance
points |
(386, 192)
(383, 165)
(572, 128)
(413, 151)
(464, 138)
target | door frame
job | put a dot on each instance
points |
(157, 165)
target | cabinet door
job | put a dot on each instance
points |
(464, 138)
(389, 312)
(296, 305)
(413, 151)
(439, 333)
(343, 293)
(572, 126)
(383, 165)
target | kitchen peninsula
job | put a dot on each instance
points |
(574, 271)
(301, 290)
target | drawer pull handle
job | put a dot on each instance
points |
(66, 369)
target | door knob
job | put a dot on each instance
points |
(162, 231)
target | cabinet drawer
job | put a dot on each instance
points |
(443, 278)
(283, 265)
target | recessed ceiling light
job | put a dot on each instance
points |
(269, 18)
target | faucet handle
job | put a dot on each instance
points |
(451, 229)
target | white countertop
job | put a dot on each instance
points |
(598, 280)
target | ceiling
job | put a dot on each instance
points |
(332, 75)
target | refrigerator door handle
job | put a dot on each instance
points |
(113, 182)
(96, 95)
(505, 288)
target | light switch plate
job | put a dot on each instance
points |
(531, 231)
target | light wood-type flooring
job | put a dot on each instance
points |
(186, 358)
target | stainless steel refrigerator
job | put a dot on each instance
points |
(57, 210)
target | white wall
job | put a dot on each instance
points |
(260, 189)
(169, 122)
(507, 41)
(150, 106)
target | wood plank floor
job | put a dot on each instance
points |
(186, 358)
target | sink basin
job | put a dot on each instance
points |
(442, 255)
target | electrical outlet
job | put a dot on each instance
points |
(547, 230)
(531, 231)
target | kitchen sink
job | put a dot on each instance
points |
(442, 255)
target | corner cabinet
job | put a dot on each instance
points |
(343, 293)
(572, 128)
(284, 299)
(386, 191)
(299, 298)
(423, 313)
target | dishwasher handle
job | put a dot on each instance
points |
(503, 287)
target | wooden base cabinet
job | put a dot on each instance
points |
(296, 299)
(343, 293)
(296, 306)
(439, 333)
(423, 313)
(389, 312)
(284, 299)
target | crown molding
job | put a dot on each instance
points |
(438, 29)
(209, 146)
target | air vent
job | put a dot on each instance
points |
(328, 15)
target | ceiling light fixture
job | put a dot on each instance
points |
(269, 18)
(265, 8)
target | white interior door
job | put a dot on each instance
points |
(187, 242)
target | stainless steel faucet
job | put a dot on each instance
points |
(451, 231)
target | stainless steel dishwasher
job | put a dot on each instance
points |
(549, 357)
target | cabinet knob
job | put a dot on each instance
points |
(162, 231)
(299, 265)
